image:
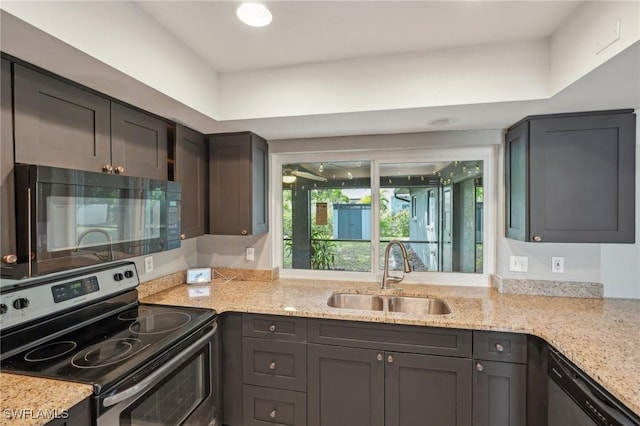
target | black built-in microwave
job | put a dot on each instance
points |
(67, 219)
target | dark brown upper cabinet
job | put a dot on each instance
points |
(570, 178)
(238, 181)
(61, 124)
(7, 188)
(138, 143)
(191, 168)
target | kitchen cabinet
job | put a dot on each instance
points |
(381, 374)
(499, 379)
(7, 189)
(78, 415)
(191, 168)
(238, 184)
(274, 353)
(571, 178)
(61, 124)
(138, 143)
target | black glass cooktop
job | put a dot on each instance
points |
(106, 350)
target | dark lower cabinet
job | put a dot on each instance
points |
(499, 394)
(78, 415)
(274, 407)
(427, 390)
(345, 386)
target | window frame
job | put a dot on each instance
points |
(487, 154)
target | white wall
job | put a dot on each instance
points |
(578, 46)
(168, 262)
(470, 75)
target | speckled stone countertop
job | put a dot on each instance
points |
(601, 336)
(32, 401)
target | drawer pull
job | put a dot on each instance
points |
(379, 357)
(499, 347)
(272, 366)
(479, 366)
(389, 359)
(272, 328)
(272, 414)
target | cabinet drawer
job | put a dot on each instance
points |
(275, 364)
(265, 406)
(392, 337)
(275, 327)
(493, 346)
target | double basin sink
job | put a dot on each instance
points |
(393, 303)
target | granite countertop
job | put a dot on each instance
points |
(33, 401)
(601, 336)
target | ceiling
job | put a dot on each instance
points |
(307, 32)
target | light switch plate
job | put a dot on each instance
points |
(250, 254)
(148, 264)
(557, 264)
(519, 263)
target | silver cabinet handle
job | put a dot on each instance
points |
(389, 359)
(10, 259)
(183, 236)
(272, 414)
(119, 170)
(537, 238)
(499, 347)
(379, 357)
(272, 328)
(107, 168)
(272, 366)
(479, 366)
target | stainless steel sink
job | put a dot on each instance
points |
(369, 302)
(418, 305)
(375, 302)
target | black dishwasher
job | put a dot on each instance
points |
(576, 400)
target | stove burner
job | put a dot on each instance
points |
(50, 351)
(108, 352)
(134, 314)
(160, 323)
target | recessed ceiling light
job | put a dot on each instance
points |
(254, 14)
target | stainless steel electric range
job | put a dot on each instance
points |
(148, 364)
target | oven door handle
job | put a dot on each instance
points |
(158, 374)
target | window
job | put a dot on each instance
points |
(338, 215)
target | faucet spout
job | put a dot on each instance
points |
(107, 237)
(388, 278)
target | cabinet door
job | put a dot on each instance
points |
(192, 170)
(499, 394)
(59, 124)
(427, 390)
(7, 189)
(345, 386)
(517, 182)
(138, 143)
(238, 176)
(78, 415)
(582, 178)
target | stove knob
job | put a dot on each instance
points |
(3, 309)
(128, 274)
(118, 277)
(21, 303)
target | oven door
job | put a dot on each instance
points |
(181, 389)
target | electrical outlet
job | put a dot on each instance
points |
(519, 263)
(557, 264)
(148, 264)
(250, 254)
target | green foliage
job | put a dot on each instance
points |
(322, 251)
(394, 225)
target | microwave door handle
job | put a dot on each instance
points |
(158, 374)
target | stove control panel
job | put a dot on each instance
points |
(29, 301)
